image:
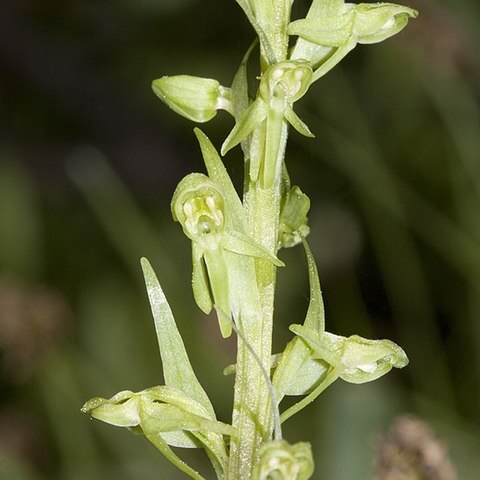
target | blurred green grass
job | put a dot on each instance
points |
(89, 160)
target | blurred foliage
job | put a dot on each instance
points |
(89, 160)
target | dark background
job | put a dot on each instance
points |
(89, 159)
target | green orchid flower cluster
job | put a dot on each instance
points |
(235, 242)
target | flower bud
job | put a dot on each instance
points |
(293, 218)
(195, 98)
(374, 23)
(286, 80)
(121, 410)
(278, 460)
(198, 205)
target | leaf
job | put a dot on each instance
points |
(252, 118)
(240, 97)
(315, 318)
(307, 377)
(177, 370)
(265, 42)
(297, 355)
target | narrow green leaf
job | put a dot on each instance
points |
(240, 97)
(315, 318)
(252, 117)
(265, 42)
(297, 355)
(177, 370)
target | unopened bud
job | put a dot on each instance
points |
(374, 23)
(195, 98)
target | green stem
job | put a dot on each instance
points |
(252, 402)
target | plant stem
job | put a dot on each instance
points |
(252, 402)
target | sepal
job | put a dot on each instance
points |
(251, 118)
(195, 98)
(296, 122)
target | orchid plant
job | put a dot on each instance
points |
(235, 243)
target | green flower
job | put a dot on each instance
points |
(354, 359)
(280, 86)
(199, 205)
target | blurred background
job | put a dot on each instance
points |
(89, 159)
